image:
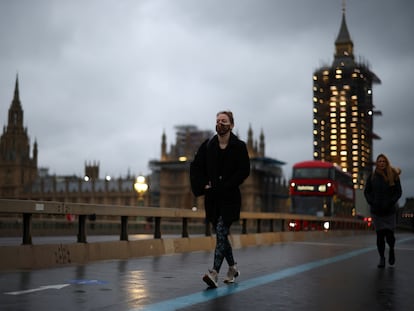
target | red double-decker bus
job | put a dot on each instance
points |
(321, 189)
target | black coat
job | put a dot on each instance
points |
(381, 197)
(226, 171)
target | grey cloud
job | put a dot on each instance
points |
(102, 80)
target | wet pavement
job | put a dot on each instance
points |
(325, 274)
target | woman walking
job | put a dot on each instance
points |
(220, 166)
(382, 191)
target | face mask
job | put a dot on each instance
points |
(222, 129)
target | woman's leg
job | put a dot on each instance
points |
(381, 247)
(223, 246)
(381, 242)
(390, 238)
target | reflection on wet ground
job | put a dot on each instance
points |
(327, 274)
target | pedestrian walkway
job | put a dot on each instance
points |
(326, 274)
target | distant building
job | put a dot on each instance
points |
(343, 111)
(83, 189)
(18, 168)
(265, 190)
(20, 177)
(187, 137)
(405, 214)
(170, 185)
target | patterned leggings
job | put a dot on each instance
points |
(223, 246)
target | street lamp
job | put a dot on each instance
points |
(140, 187)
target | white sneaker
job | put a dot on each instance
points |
(211, 278)
(232, 274)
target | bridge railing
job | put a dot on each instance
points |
(27, 208)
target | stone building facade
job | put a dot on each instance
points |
(265, 190)
(169, 186)
(21, 178)
(18, 168)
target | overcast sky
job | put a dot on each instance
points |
(102, 80)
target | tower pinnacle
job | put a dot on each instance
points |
(16, 97)
(344, 47)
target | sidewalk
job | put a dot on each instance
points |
(324, 274)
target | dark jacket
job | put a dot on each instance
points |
(381, 197)
(223, 198)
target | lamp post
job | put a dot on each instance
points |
(140, 187)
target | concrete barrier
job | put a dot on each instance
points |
(55, 255)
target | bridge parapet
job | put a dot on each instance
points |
(255, 229)
(283, 221)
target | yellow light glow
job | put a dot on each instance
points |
(140, 185)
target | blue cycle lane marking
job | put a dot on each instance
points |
(207, 295)
(87, 282)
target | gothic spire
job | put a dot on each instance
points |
(15, 110)
(344, 54)
(163, 146)
(16, 97)
(249, 142)
(262, 144)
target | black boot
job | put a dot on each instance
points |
(381, 263)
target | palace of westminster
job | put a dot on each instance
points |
(168, 184)
(343, 113)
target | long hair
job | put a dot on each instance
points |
(390, 174)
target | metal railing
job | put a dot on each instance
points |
(26, 209)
